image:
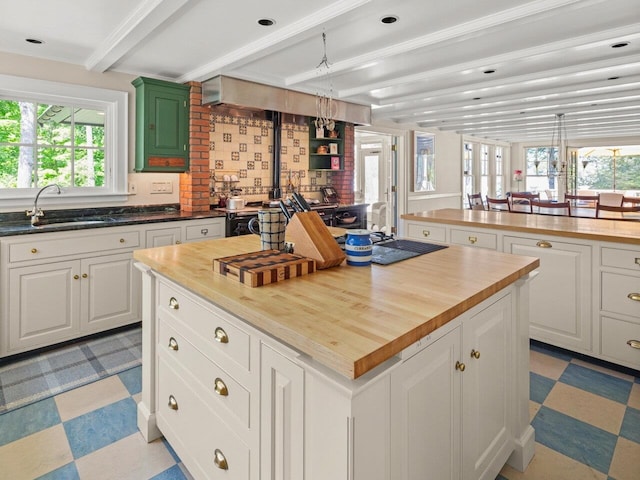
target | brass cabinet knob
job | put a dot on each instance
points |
(221, 336)
(173, 303)
(122, 240)
(34, 250)
(544, 244)
(634, 296)
(84, 275)
(221, 388)
(473, 240)
(173, 344)
(178, 242)
(475, 353)
(76, 277)
(220, 460)
(460, 366)
(426, 233)
(634, 343)
(173, 403)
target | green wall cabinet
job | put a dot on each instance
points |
(326, 152)
(162, 126)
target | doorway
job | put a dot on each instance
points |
(375, 179)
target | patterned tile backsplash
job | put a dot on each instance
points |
(243, 146)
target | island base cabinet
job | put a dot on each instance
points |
(560, 310)
(451, 402)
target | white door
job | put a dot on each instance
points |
(375, 179)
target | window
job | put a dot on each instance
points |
(609, 168)
(541, 169)
(499, 172)
(71, 135)
(467, 173)
(484, 169)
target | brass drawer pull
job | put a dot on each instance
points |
(634, 296)
(34, 250)
(634, 343)
(426, 233)
(173, 403)
(220, 460)
(173, 303)
(220, 388)
(460, 366)
(204, 231)
(544, 244)
(473, 240)
(637, 260)
(475, 354)
(173, 344)
(221, 335)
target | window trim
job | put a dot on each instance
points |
(115, 105)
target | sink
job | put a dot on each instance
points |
(69, 223)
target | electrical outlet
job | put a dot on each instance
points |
(133, 188)
(161, 187)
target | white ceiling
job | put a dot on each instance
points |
(549, 56)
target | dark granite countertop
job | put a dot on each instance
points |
(17, 223)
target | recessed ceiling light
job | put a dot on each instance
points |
(266, 22)
(613, 78)
(476, 98)
(619, 44)
(491, 70)
(35, 41)
(388, 19)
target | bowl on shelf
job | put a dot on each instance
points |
(347, 219)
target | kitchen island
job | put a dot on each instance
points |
(586, 297)
(349, 372)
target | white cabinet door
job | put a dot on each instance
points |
(162, 237)
(560, 306)
(282, 413)
(425, 413)
(110, 292)
(44, 304)
(487, 381)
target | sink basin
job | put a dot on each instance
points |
(69, 223)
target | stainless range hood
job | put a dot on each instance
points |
(242, 93)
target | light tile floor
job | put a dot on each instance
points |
(587, 421)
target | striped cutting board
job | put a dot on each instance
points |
(266, 266)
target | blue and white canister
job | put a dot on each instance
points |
(358, 248)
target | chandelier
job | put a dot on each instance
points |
(558, 140)
(326, 108)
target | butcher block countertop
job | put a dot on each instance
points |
(620, 231)
(349, 319)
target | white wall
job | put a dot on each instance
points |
(31, 67)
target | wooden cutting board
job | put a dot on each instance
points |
(266, 266)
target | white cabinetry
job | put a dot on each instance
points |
(173, 233)
(447, 407)
(62, 285)
(451, 402)
(619, 312)
(561, 294)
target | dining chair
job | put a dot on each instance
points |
(475, 201)
(552, 208)
(622, 210)
(501, 204)
(610, 199)
(521, 201)
(630, 201)
(584, 201)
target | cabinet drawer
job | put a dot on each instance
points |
(214, 336)
(616, 289)
(195, 431)
(222, 390)
(205, 231)
(424, 231)
(474, 239)
(615, 335)
(99, 240)
(616, 257)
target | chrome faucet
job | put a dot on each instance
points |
(36, 213)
